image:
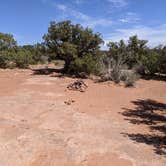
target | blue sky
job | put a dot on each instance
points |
(28, 20)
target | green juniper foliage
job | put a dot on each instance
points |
(79, 49)
(76, 45)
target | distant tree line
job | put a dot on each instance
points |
(79, 48)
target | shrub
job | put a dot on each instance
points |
(162, 60)
(118, 55)
(6, 59)
(115, 75)
(105, 68)
(58, 63)
(140, 69)
(129, 77)
(23, 59)
(110, 69)
(150, 62)
(44, 59)
(84, 66)
(7, 41)
(3, 61)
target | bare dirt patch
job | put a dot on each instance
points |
(101, 127)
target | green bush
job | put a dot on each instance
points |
(7, 41)
(129, 77)
(23, 59)
(110, 69)
(150, 62)
(3, 61)
(115, 75)
(84, 66)
(44, 59)
(78, 49)
(6, 59)
(59, 63)
(162, 60)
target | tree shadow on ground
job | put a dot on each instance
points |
(46, 71)
(156, 77)
(57, 72)
(52, 72)
(152, 114)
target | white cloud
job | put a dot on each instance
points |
(61, 7)
(155, 35)
(71, 12)
(118, 3)
(86, 20)
(79, 15)
(78, 1)
(130, 17)
(91, 23)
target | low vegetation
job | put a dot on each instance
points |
(78, 50)
(133, 57)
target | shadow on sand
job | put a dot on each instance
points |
(52, 72)
(46, 71)
(154, 77)
(57, 72)
(153, 115)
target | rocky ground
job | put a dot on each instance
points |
(44, 124)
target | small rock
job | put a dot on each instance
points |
(69, 102)
(78, 85)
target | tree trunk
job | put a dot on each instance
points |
(66, 66)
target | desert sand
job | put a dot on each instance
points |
(108, 125)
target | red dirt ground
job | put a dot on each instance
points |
(108, 125)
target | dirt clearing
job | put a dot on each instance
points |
(107, 125)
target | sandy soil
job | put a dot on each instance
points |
(108, 125)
